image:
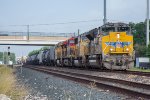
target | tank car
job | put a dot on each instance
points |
(44, 57)
(40, 57)
(52, 56)
(49, 57)
(33, 59)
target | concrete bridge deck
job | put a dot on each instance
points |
(23, 38)
(33, 40)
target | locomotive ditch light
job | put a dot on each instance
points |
(127, 49)
(111, 49)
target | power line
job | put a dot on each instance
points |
(74, 22)
(147, 22)
(69, 22)
(62, 23)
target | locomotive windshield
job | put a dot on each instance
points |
(115, 27)
(124, 29)
(121, 29)
(108, 29)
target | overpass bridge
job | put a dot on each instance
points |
(33, 38)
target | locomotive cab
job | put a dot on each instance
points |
(70, 52)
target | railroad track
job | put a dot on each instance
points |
(137, 73)
(124, 72)
(122, 86)
(117, 71)
(121, 72)
(113, 71)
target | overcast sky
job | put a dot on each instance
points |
(23, 12)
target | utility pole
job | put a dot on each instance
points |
(8, 55)
(105, 19)
(3, 57)
(78, 32)
(28, 32)
(147, 29)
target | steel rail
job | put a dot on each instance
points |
(117, 71)
(112, 71)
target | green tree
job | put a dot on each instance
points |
(37, 51)
(1, 56)
(33, 52)
(139, 37)
(13, 57)
(138, 31)
(45, 48)
(148, 51)
(5, 58)
(140, 50)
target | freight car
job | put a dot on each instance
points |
(48, 57)
(107, 47)
(44, 57)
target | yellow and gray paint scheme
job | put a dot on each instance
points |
(117, 48)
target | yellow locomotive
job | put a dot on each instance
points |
(107, 47)
(117, 47)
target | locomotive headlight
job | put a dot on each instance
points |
(127, 49)
(118, 35)
(111, 49)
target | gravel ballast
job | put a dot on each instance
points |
(43, 86)
(122, 76)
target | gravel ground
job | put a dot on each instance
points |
(42, 86)
(128, 77)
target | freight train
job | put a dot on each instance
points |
(107, 47)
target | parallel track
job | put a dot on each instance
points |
(111, 71)
(123, 86)
(117, 71)
(137, 73)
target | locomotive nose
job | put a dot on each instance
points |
(119, 62)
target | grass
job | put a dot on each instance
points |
(8, 84)
(139, 69)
